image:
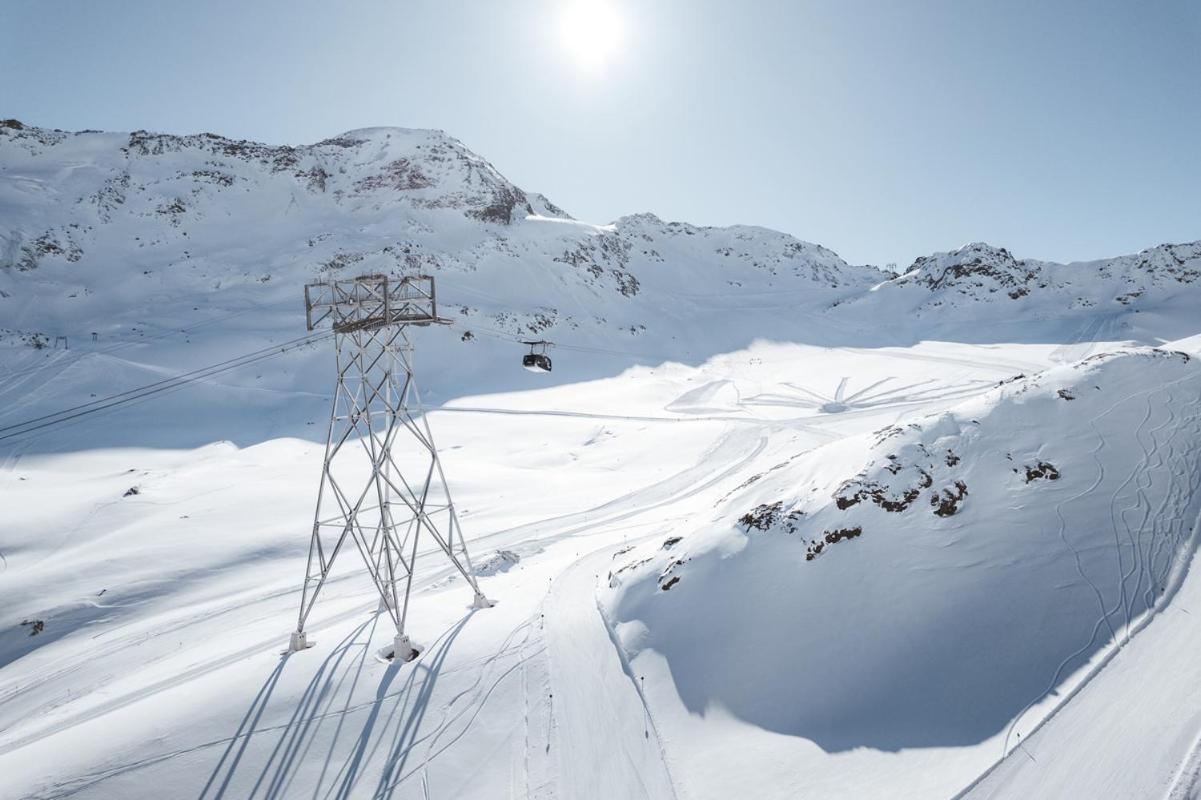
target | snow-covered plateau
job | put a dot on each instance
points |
(775, 525)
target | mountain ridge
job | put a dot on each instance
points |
(177, 217)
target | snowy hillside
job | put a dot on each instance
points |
(127, 238)
(774, 526)
(203, 214)
(984, 280)
(929, 585)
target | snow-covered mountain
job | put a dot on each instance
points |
(776, 525)
(204, 214)
(184, 217)
(978, 274)
(116, 239)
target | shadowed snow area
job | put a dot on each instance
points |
(977, 561)
(774, 526)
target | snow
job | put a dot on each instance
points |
(922, 632)
(660, 631)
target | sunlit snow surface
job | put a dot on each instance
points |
(659, 631)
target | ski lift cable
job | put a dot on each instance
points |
(100, 412)
(130, 343)
(27, 426)
(140, 393)
(172, 378)
(177, 381)
(145, 395)
(80, 354)
(517, 339)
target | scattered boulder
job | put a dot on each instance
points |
(1042, 470)
(947, 503)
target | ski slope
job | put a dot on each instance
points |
(723, 401)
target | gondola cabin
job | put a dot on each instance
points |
(537, 360)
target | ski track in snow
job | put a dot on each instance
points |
(406, 763)
(1123, 603)
(1168, 580)
(665, 410)
(724, 460)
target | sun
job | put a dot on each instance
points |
(590, 31)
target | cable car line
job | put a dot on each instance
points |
(271, 349)
(142, 392)
(537, 360)
(81, 353)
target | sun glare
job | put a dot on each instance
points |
(590, 31)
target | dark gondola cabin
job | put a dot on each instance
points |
(536, 360)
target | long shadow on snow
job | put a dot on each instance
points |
(883, 651)
(108, 609)
(306, 738)
(306, 710)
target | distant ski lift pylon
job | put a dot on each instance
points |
(537, 360)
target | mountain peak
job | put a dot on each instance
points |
(974, 266)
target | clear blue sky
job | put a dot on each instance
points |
(884, 130)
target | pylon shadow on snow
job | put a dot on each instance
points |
(316, 731)
(290, 734)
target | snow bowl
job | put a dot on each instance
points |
(973, 567)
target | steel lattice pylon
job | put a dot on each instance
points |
(383, 510)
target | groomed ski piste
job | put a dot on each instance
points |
(774, 526)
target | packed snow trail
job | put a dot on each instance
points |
(604, 748)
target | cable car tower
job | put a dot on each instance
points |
(384, 509)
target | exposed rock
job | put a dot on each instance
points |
(1042, 470)
(831, 537)
(947, 503)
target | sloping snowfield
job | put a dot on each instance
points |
(763, 532)
(902, 662)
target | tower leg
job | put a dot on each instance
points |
(402, 648)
